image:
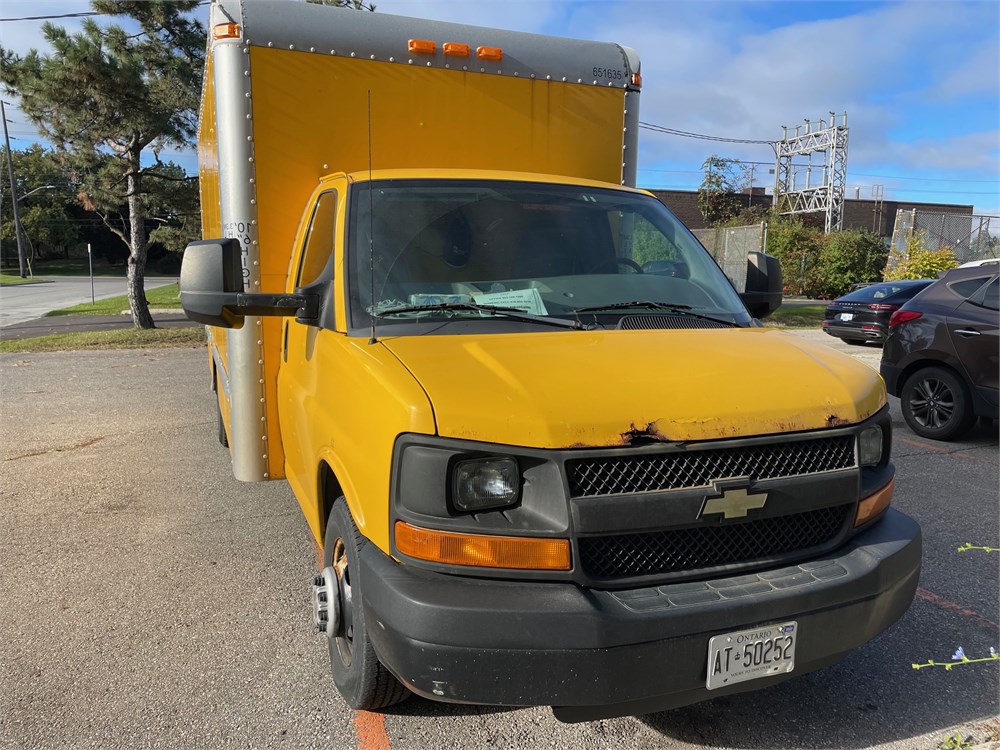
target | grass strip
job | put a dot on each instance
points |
(799, 316)
(161, 298)
(10, 279)
(130, 338)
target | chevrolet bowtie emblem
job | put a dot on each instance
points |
(734, 503)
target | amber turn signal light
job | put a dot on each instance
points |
(226, 31)
(874, 504)
(521, 553)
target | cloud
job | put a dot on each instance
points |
(902, 71)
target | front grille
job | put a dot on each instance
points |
(679, 550)
(622, 475)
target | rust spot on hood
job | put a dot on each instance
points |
(638, 434)
(834, 421)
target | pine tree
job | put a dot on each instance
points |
(123, 93)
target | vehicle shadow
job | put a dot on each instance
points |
(417, 706)
(875, 696)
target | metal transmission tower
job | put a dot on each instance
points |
(798, 188)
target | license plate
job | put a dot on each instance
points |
(751, 654)
(846, 316)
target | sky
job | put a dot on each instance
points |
(919, 81)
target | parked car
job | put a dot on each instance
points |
(942, 355)
(862, 315)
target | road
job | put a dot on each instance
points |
(150, 600)
(23, 302)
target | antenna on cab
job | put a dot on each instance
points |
(371, 222)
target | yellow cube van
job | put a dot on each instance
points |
(550, 455)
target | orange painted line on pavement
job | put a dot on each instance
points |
(370, 728)
(919, 444)
(939, 449)
(940, 601)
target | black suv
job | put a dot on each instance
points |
(942, 353)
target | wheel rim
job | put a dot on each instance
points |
(932, 403)
(345, 633)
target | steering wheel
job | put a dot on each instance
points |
(617, 261)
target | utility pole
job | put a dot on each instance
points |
(18, 229)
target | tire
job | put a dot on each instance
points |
(936, 404)
(360, 677)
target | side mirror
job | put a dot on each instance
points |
(764, 286)
(212, 293)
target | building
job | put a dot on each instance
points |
(875, 216)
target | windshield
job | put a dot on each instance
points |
(421, 250)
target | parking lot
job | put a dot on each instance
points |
(150, 600)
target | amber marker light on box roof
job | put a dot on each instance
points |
(874, 504)
(456, 49)
(521, 553)
(422, 47)
(226, 31)
(489, 53)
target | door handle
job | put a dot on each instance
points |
(966, 332)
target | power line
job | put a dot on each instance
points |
(81, 14)
(701, 136)
(924, 179)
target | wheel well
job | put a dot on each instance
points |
(925, 363)
(329, 491)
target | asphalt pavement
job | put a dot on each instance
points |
(20, 303)
(151, 600)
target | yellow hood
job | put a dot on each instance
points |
(603, 388)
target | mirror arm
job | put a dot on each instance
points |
(299, 305)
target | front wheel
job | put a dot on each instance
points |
(936, 404)
(360, 677)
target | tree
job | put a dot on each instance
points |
(851, 256)
(48, 211)
(718, 195)
(920, 262)
(110, 101)
(356, 4)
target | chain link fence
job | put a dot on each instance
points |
(966, 235)
(730, 246)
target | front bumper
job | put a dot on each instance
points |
(595, 654)
(890, 374)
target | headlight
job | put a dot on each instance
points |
(484, 483)
(870, 446)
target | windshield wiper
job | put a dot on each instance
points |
(670, 307)
(506, 312)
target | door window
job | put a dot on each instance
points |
(991, 296)
(317, 254)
